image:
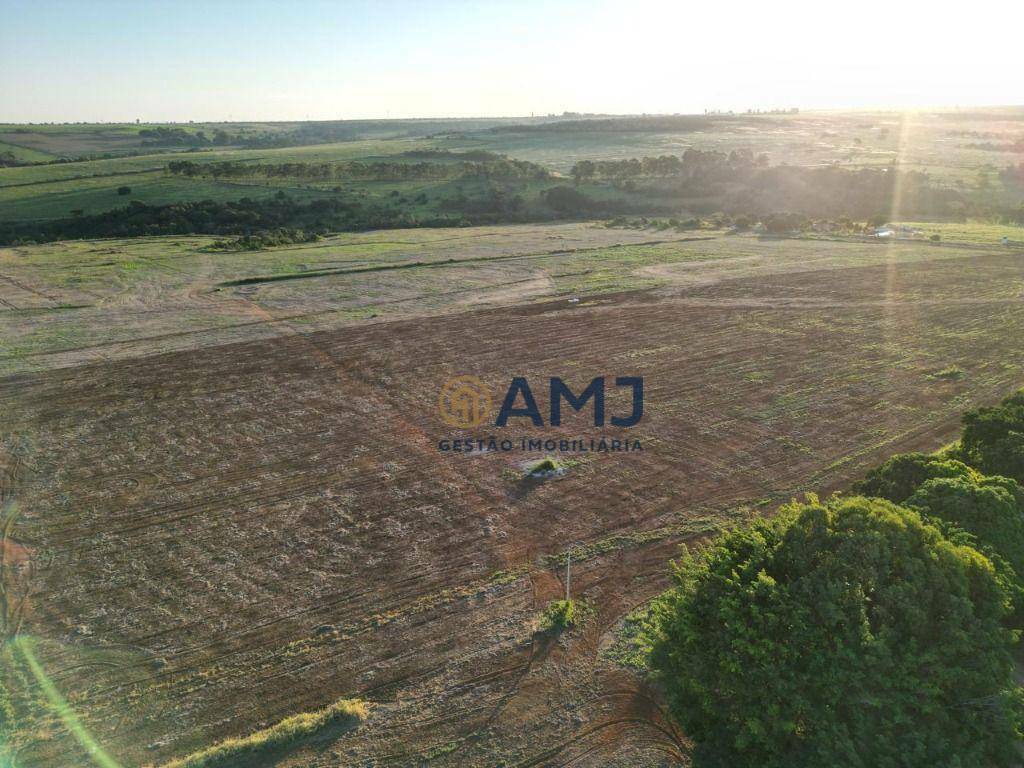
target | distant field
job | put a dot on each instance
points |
(59, 199)
(920, 141)
(73, 141)
(84, 139)
(23, 154)
(54, 191)
(948, 146)
(973, 232)
(317, 153)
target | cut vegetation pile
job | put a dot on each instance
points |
(262, 746)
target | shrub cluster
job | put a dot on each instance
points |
(559, 615)
(262, 240)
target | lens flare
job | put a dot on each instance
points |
(60, 706)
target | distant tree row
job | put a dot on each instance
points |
(501, 168)
(740, 182)
(493, 200)
(242, 217)
(261, 216)
(833, 191)
(693, 163)
(162, 136)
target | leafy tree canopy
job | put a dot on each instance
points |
(990, 512)
(988, 509)
(847, 633)
(993, 438)
(901, 475)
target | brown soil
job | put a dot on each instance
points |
(270, 525)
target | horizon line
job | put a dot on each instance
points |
(752, 111)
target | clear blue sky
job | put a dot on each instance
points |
(111, 60)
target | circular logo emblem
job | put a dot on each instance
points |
(464, 401)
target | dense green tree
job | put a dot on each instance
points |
(583, 170)
(901, 475)
(993, 438)
(851, 633)
(989, 510)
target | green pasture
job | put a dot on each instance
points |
(101, 291)
(24, 154)
(316, 153)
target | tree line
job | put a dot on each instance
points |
(251, 217)
(693, 163)
(740, 182)
(499, 168)
(163, 136)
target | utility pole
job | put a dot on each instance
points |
(568, 572)
(568, 568)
